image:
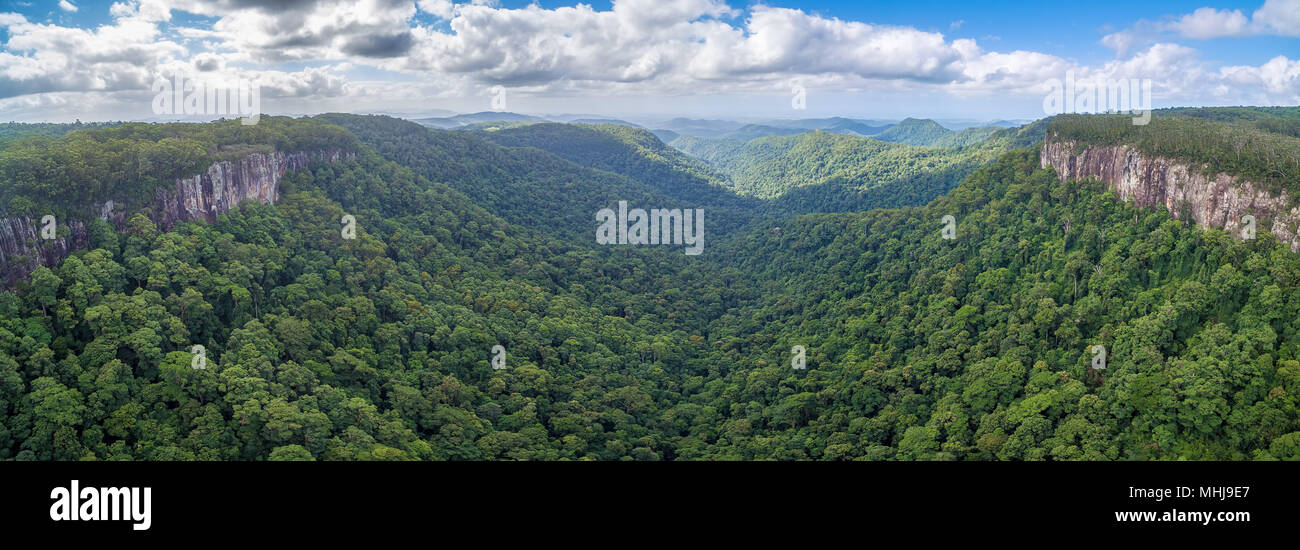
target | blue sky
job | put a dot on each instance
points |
(645, 57)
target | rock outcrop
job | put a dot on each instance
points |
(201, 197)
(1213, 200)
(22, 249)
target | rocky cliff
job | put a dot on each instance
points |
(200, 197)
(1213, 200)
(22, 249)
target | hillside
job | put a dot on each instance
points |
(978, 348)
(14, 131)
(966, 137)
(321, 347)
(1202, 166)
(1239, 149)
(75, 173)
(913, 131)
(536, 188)
(824, 172)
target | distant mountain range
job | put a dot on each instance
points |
(458, 121)
(910, 131)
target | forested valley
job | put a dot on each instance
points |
(319, 347)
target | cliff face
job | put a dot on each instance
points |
(201, 197)
(226, 184)
(1218, 200)
(22, 249)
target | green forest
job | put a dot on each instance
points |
(1260, 145)
(57, 169)
(918, 347)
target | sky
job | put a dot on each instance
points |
(640, 59)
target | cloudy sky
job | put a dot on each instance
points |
(98, 60)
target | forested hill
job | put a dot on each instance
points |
(632, 152)
(316, 346)
(979, 347)
(14, 131)
(540, 181)
(130, 162)
(1257, 144)
(914, 131)
(826, 172)
(375, 348)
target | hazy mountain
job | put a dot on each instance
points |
(755, 131)
(613, 121)
(699, 127)
(968, 136)
(666, 136)
(914, 131)
(476, 118)
(837, 125)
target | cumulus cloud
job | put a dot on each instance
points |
(42, 58)
(1212, 23)
(1279, 76)
(1280, 17)
(1121, 41)
(65, 5)
(303, 30)
(1274, 17)
(315, 49)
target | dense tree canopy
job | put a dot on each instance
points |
(129, 162)
(317, 347)
(1265, 150)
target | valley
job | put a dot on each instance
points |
(321, 347)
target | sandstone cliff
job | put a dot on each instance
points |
(1217, 200)
(201, 197)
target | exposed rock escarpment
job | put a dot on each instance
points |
(1212, 200)
(201, 197)
(22, 249)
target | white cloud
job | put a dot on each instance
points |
(65, 5)
(1279, 76)
(1121, 41)
(10, 19)
(1278, 17)
(1212, 23)
(41, 58)
(1274, 17)
(313, 52)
